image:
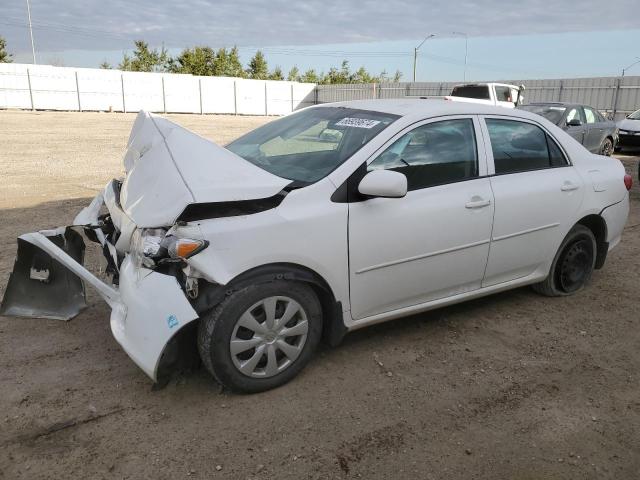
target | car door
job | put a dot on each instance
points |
(579, 132)
(434, 242)
(596, 130)
(537, 194)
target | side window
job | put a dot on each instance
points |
(573, 113)
(503, 94)
(520, 147)
(433, 154)
(590, 115)
(556, 157)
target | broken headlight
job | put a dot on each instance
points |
(152, 246)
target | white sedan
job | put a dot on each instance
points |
(333, 218)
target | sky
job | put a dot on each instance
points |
(522, 40)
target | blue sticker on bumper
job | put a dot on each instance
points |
(172, 321)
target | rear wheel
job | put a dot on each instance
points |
(260, 337)
(607, 147)
(573, 264)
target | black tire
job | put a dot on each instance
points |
(607, 147)
(217, 328)
(572, 266)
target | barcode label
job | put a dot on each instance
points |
(358, 122)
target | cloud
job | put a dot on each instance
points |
(108, 25)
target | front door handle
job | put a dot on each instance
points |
(478, 203)
(568, 187)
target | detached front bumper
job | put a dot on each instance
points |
(147, 307)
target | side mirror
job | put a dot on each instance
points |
(383, 183)
(574, 122)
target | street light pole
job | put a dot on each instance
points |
(627, 68)
(33, 48)
(415, 54)
(466, 51)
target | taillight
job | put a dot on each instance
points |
(628, 181)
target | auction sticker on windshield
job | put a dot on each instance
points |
(358, 122)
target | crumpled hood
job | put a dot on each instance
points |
(169, 167)
(630, 125)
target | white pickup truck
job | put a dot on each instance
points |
(500, 94)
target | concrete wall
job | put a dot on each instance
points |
(44, 87)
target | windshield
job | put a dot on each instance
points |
(553, 114)
(308, 145)
(635, 115)
(472, 91)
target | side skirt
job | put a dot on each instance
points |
(443, 302)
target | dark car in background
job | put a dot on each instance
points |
(584, 123)
(629, 130)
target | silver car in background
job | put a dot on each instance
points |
(584, 123)
(629, 130)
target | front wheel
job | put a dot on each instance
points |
(261, 336)
(573, 264)
(607, 147)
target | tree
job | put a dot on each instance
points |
(105, 65)
(310, 76)
(258, 68)
(221, 63)
(234, 65)
(276, 74)
(335, 75)
(5, 57)
(145, 59)
(294, 74)
(196, 61)
(397, 76)
(362, 76)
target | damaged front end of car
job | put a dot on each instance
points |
(150, 285)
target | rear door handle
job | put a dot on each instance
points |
(478, 203)
(568, 187)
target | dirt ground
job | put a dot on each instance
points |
(513, 386)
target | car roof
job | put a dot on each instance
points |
(558, 104)
(429, 107)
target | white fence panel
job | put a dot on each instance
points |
(14, 86)
(250, 98)
(63, 88)
(218, 95)
(53, 88)
(100, 90)
(181, 93)
(143, 91)
(303, 95)
(278, 97)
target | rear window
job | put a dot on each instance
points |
(552, 113)
(472, 91)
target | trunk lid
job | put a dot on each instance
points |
(169, 167)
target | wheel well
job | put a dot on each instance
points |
(598, 227)
(333, 328)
